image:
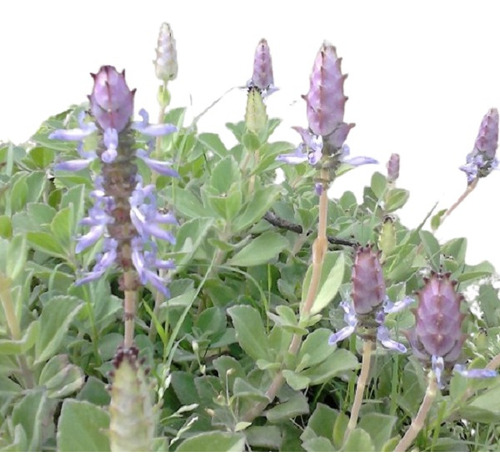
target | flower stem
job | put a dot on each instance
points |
(469, 189)
(130, 307)
(319, 250)
(418, 422)
(368, 347)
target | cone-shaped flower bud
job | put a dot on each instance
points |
(366, 314)
(482, 160)
(387, 238)
(438, 321)
(325, 99)
(166, 55)
(368, 285)
(255, 114)
(262, 76)
(111, 101)
(131, 427)
(393, 167)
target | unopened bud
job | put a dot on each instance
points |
(368, 285)
(111, 101)
(262, 76)
(326, 99)
(166, 55)
(393, 167)
(255, 114)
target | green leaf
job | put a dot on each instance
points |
(261, 250)
(5, 226)
(340, 361)
(189, 237)
(8, 387)
(60, 377)
(16, 256)
(213, 442)
(62, 227)
(332, 274)
(214, 144)
(45, 242)
(315, 349)
(243, 389)
(17, 347)
(265, 436)
(82, 428)
(188, 204)
(318, 444)
(321, 423)
(295, 380)
(55, 319)
(225, 174)
(485, 407)
(250, 331)
(395, 199)
(379, 427)
(378, 184)
(293, 407)
(33, 414)
(432, 248)
(358, 441)
(256, 208)
(436, 219)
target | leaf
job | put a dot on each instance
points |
(224, 174)
(188, 204)
(62, 227)
(214, 144)
(189, 238)
(256, 208)
(295, 380)
(318, 444)
(45, 242)
(485, 407)
(8, 387)
(55, 319)
(243, 389)
(340, 361)
(395, 199)
(60, 377)
(436, 219)
(332, 275)
(213, 442)
(33, 413)
(432, 248)
(379, 427)
(315, 349)
(378, 184)
(293, 407)
(17, 347)
(82, 428)
(265, 436)
(321, 423)
(261, 250)
(358, 441)
(250, 331)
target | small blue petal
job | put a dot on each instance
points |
(359, 161)
(475, 373)
(89, 238)
(292, 158)
(74, 165)
(384, 338)
(342, 334)
(161, 167)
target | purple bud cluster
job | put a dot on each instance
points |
(437, 337)
(325, 105)
(370, 304)
(482, 160)
(262, 76)
(125, 212)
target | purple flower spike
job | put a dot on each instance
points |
(262, 77)
(325, 99)
(370, 305)
(482, 160)
(393, 167)
(437, 337)
(111, 101)
(368, 285)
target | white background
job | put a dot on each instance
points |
(421, 76)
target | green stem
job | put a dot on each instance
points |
(130, 307)
(14, 328)
(469, 189)
(320, 246)
(368, 347)
(419, 420)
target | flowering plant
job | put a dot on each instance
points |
(161, 290)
